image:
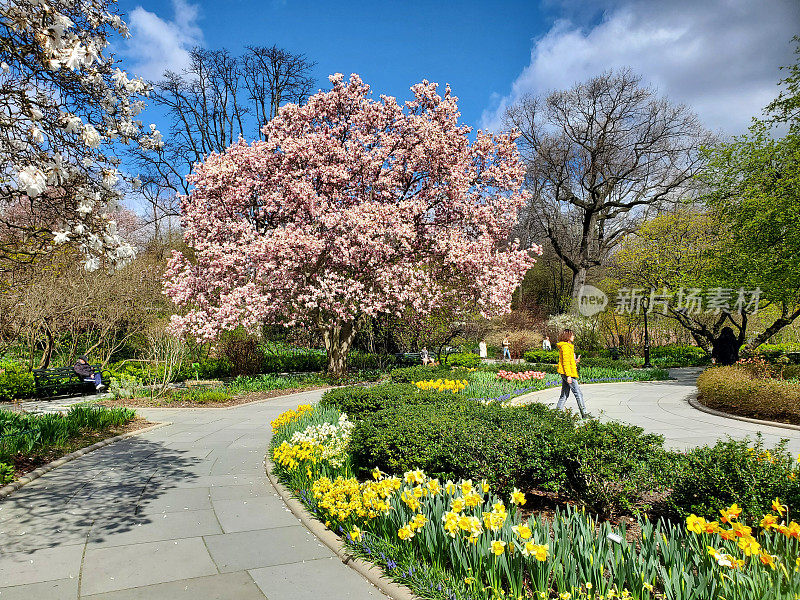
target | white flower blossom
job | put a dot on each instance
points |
(60, 237)
(92, 264)
(90, 136)
(32, 181)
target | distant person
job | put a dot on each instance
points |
(546, 345)
(423, 354)
(482, 349)
(568, 368)
(725, 349)
(506, 348)
(86, 372)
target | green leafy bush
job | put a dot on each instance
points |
(710, 477)
(736, 389)
(359, 402)
(467, 360)
(675, 355)
(16, 381)
(6, 473)
(307, 361)
(207, 396)
(607, 467)
(542, 356)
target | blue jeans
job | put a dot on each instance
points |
(576, 390)
(506, 353)
(97, 378)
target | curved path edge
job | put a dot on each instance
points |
(36, 473)
(369, 571)
(696, 404)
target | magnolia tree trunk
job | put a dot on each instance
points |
(338, 338)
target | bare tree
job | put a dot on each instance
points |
(215, 101)
(601, 155)
(274, 76)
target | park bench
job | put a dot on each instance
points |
(64, 381)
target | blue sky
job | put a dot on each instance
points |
(719, 56)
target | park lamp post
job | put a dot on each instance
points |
(646, 309)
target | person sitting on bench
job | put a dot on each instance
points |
(86, 372)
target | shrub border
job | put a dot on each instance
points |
(36, 473)
(368, 571)
(695, 403)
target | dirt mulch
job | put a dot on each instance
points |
(235, 401)
(26, 464)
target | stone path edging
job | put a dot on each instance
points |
(695, 403)
(334, 542)
(36, 473)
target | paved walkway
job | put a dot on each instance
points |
(186, 511)
(663, 407)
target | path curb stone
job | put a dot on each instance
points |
(36, 473)
(695, 403)
(370, 572)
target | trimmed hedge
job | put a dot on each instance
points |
(608, 467)
(737, 390)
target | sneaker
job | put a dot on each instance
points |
(100, 387)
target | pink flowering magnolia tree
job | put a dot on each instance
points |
(350, 208)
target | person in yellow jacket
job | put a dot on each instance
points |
(568, 368)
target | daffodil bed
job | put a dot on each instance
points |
(461, 540)
(501, 386)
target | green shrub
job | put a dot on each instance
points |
(771, 352)
(607, 467)
(467, 360)
(359, 402)
(306, 361)
(206, 368)
(737, 390)
(16, 381)
(6, 473)
(731, 471)
(206, 396)
(542, 356)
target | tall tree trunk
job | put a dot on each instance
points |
(48, 350)
(578, 281)
(338, 338)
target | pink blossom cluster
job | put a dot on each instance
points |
(350, 206)
(524, 376)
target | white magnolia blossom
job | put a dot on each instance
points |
(56, 157)
(60, 237)
(32, 181)
(90, 136)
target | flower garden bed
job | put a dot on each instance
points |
(469, 537)
(750, 391)
(28, 441)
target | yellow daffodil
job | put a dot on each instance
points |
(768, 521)
(778, 507)
(523, 531)
(497, 547)
(517, 497)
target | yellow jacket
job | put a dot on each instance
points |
(566, 359)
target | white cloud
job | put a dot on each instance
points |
(720, 57)
(157, 45)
